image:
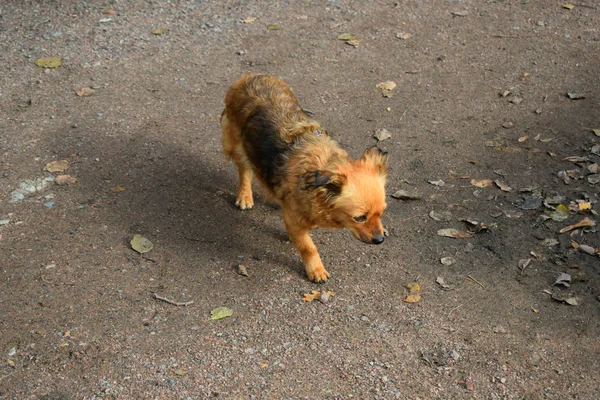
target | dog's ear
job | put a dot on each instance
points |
(376, 158)
(330, 183)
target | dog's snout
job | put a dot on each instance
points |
(377, 239)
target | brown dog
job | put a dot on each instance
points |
(267, 134)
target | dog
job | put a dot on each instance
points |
(268, 135)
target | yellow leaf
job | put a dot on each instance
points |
(160, 31)
(586, 206)
(412, 298)
(329, 292)
(414, 287)
(64, 344)
(568, 6)
(314, 295)
(11, 363)
(57, 166)
(179, 372)
(562, 208)
(50, 62)
(264, 365)
(347, 36)
(274, 27)
(141, 244)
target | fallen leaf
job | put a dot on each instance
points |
(440, 281)
(179, 372)
(481, 183)
(584, 206)
(593, 179)
(439, 182)
(406, 195)
(314, 295)
(575, 159)
(105, 20)
(444, 216)
(560, 214)
(117, 189)
(382, 134)
(347, 36)
(454, 233)
(502, 185)
(109, 11)
(523, 138)
(568, 6)
(160, 31)
(353, 43)
(57, 166)
(499, 329)
(584, 223)
(220, 313)
(86, 91)
(575, 96)
(460, 13)
(593, 168)
(524, 263)
(274, 27)
(241, 269)
(563, 279)
(404, 35)
(141, 244)
(549, 242)
(50, 62)
(516, 100)
(65, 180)
(249, 20)
(454, 175)
(507, 125)
(587, 249)
(414, 295)
(596, 132)
(567, 298)
(387, 88)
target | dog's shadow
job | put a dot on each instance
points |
(175, 196)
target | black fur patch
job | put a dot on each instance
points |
(265, 147)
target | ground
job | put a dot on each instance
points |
(481, 94)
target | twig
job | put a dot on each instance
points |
(584, 5)
(475, 280)
(40, 23)
(459, 306)
(403, 114)
(175, 303)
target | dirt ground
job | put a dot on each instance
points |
(481, 94)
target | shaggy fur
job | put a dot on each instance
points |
(268, 135)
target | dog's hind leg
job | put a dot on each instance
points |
(233, 149)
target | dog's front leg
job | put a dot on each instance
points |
(301, 239)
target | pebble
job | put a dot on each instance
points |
(12, 351)
(50, 204)
(364, 318)
(4, 221)
(16, 195)
(240, 52)
(540, 23)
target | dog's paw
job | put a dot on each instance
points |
(318, 275)
(244, 202)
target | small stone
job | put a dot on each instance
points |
(587, 249)
(316, 329)
(508, 125)
(4, 221)
(241, 269)
(593, 179)
(12, 351)
(324, 297)
(516, 100)
(503, 380)
(50, 204)
(249, 350)
(349, 307)
(364, 318)
(17, 195)
(469, 247)
(540, 23)
(455, 355)
(240, 52)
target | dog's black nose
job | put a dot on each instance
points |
(377, 239)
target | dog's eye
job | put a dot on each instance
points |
(362, 218)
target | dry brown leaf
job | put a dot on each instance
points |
(523, 138)
(65, 180)
(412, 298)
(387, 88)
(57, 166)
(575, 159)
(502, 185)
(414, 295)
(86, 91)
(481, 183)
(249, 20)
(117, 189)
(584, 223)
(109, 11)
(454, 233)
(404, 35)
(353, 43)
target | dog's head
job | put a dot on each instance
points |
(353, 195)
